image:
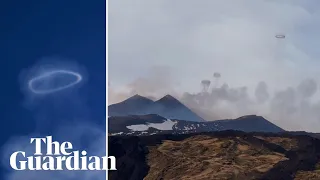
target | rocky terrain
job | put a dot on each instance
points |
(165, 140)
(216, 155)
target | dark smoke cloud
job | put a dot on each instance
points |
(307, 88)
(291, 108)
(286, 108)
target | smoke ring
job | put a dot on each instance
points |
(51, 73)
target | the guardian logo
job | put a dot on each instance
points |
(59, 157)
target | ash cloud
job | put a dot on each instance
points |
(307, 88)
(292, 108)
(261, 92)
(157, 82)
(64, 115)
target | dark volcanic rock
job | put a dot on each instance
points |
(250, 123)
(130, 155)
(118, 124)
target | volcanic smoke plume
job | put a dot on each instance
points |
(52, 92)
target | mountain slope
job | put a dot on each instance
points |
(250, 123)
(216, 155)
(168, 107)
(155, 124)
(132, 105)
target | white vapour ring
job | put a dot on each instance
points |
(48, 74)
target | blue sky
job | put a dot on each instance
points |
(32, 30)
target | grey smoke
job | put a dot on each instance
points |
(261, 92)
(307, 88)
(292, 108)
(156, 82)
(289, 108)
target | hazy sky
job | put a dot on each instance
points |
(173, 45)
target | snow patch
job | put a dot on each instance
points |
(115, 134)
(166, 125)
(138, 127)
